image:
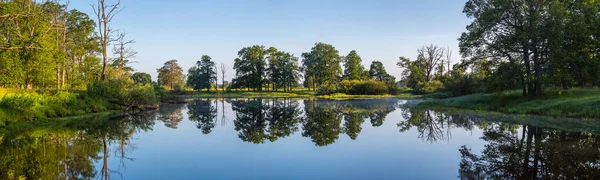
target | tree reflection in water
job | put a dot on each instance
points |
(171, 114)
(204, 114)
(258, 120)
(69, 151)
(511, 151)
(536, 153)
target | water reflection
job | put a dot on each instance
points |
(69, 152)
(258, 120)
(535, 153)
(87, 149)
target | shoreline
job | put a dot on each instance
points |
(577, 103)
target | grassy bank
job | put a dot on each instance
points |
(27, 105)
(281, 94)
(579, 103)
(31, 105)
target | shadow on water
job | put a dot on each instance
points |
(512, 150)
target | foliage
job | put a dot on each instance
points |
(429, 87)
(170, 74)
(545, 42)
(368, 87)
(326, 88)
(141, 78)
(283, 70)
(203, 75)
(250, 67)
(322, 65)
(353, 69)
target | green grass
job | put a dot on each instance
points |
(578, 103)
(18, 106)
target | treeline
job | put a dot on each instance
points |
(509, 45)
(44, 46)
(259, 68)
(47, 45)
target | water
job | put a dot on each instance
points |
(301, 139)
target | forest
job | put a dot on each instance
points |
(56, 61)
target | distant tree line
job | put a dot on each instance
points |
(259, 68)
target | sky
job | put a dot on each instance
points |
(380, 30)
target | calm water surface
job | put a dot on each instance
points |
(299, 139)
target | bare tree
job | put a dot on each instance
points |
(448, 59)
(431, 56)
(216, 79)
(223, 71)
(124, 54)
(105, 14)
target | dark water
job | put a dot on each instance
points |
(300, 139)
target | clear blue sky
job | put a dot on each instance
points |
(377, 29)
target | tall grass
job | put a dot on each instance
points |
(29, 105)
(558, 103)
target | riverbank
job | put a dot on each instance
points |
(302, 94)
(575, 103)
(281, 94)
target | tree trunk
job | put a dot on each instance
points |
(528, 70)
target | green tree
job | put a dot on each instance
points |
(322, 64)
(141, 78)
(170, 74)
(203, 74)
(353, 69)
(283, 70)
(250, 67)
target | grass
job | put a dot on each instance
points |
(17, 106)
(576, 103)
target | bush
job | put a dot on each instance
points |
(144, 94)
(370, 87)
(429, 87)
(326, 89)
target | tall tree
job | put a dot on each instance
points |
(353, 69)
(170, 74)
(377, 71)
(250, 66)
(431, 55)
(105, 13)
(124, 56)
(283, 70)
(224, 69)
(203, 74)
(322, 64)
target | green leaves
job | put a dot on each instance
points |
(203, 74)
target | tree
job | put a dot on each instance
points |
(250, 66)
(105, 14)
(431, 56)
(141, 78)
(283, 70)
(377, 71)
(203, 74)
(170, 74)
(353, 69)
(224, 69)
(322, 64)
(124, 54)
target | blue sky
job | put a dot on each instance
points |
(377, 29)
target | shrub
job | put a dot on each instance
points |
(144, 94)
(369, 87)
(326, 89)
(430, 87)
